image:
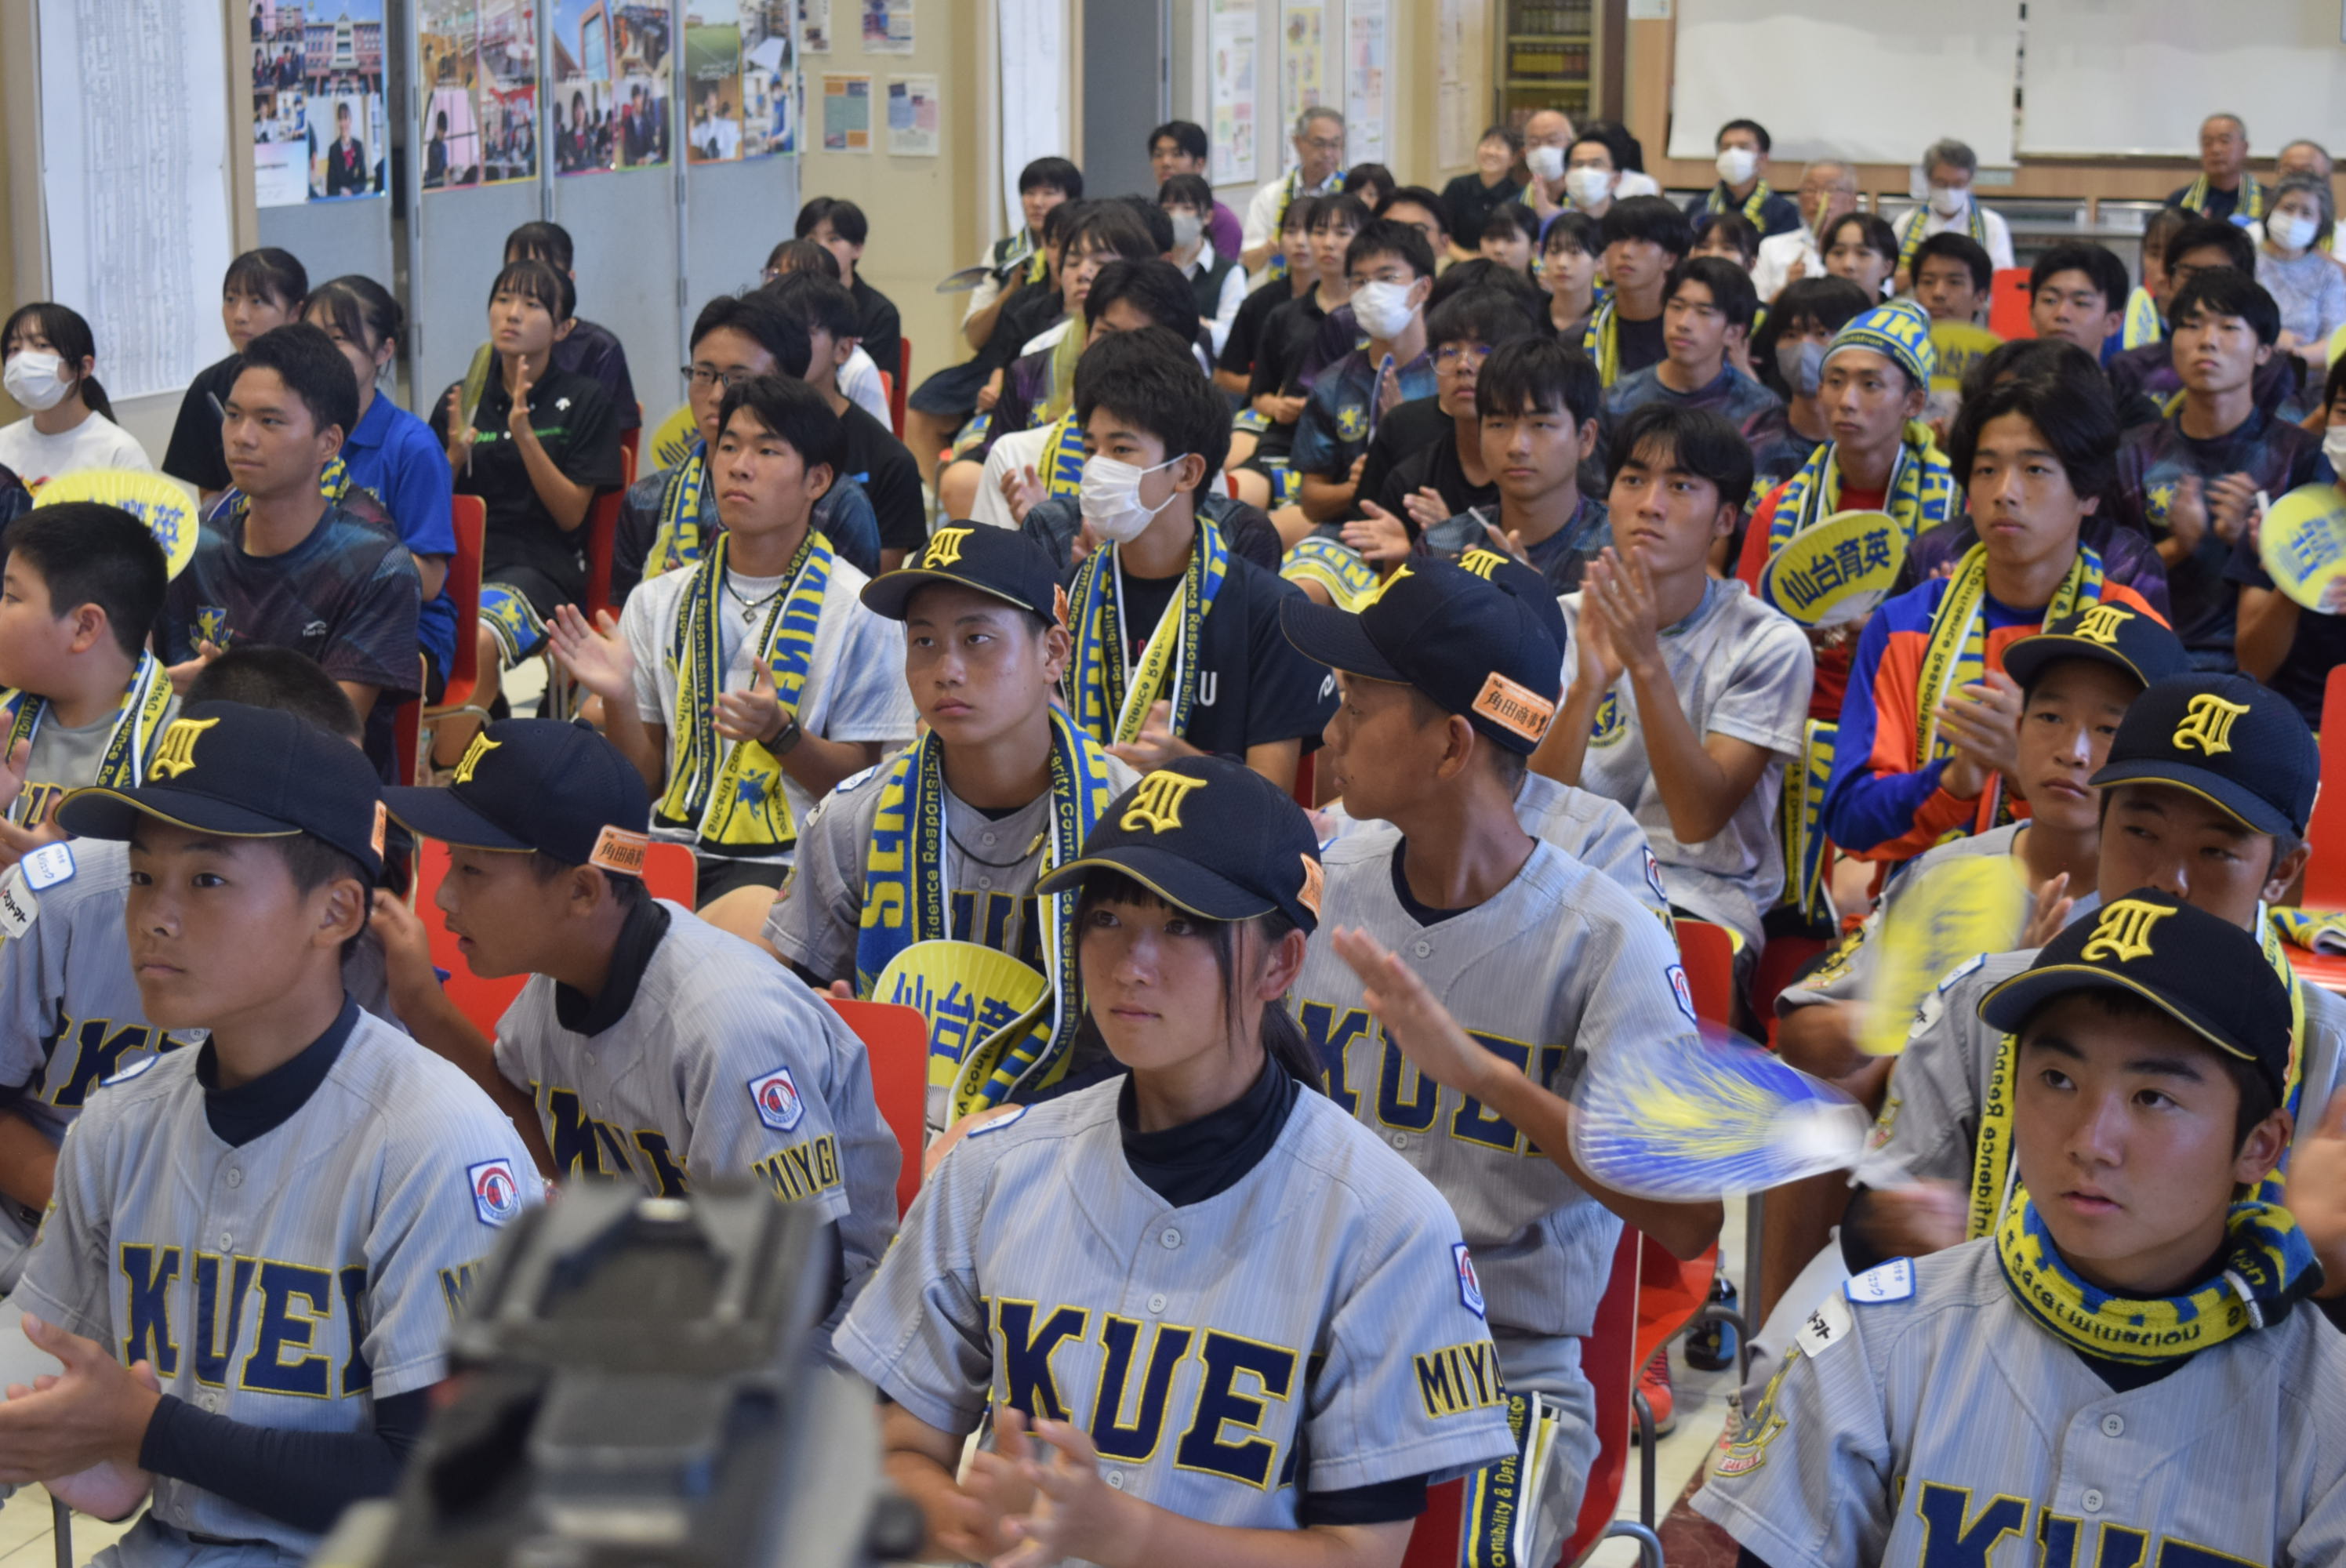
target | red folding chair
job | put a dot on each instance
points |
(1608, 1358)
(2008, 301)
(899, 388)
(669, 873)
(470, 519)
(2325, 834)
(896, 1039)
(407, 737)
(1707, 954)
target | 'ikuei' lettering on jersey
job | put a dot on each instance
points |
(1459, 1379)
(1954, 1536)
(1237, 1380)
(99, 1047)
(2119, 1547)
(801, 1171)
(582, 1144)
(1408, 1101)
(289, 1355)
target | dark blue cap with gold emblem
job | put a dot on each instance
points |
(1208, 835)
(2226, 738)
(2200, 970)
(2133, 640)
(1001, 563)
(538, 784)
(242, 772)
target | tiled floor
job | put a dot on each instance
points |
(26, 1538)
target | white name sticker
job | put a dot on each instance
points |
(18, 908)
(1825, 1328)
(48, 866)
(1892, 1282)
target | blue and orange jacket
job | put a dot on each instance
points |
(1878, 806)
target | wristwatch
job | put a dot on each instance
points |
(787, 738)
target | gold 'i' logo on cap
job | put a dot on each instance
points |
(178, 752)
(2123, 933)
(945, 547)
(2208, 724)
(2101, 624)
(1157, 801)
(1482, 562)
(481, 745)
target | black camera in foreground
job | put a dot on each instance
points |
(643, 1382)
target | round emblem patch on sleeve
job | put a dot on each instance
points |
(776, 1095)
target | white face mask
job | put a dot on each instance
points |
(2333, 446)
(2291, 230)
(1546, 163)
(1802, 366)
(1737, 164)
(1187, 227)
(34, 378)
(1947, 200)
(1382, 308)
(1111, 498)
(1588, 187)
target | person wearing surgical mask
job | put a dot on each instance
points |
(1219, 281)
(1547, 145)
(2276, 642)
(50, 371)
(2294, 266)
(1949, 167)
(1590, 178)
(1390, 269)
(1742, 187)
(1177, 647)
(1788, 352)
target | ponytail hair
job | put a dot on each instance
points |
(1282, 1038)
(70, 338)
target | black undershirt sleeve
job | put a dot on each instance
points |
(1386, 1502)
(1746, 1558)
(304, 1478)
(1855, 1249)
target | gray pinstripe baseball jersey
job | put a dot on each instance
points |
(1598, 832)
(1316, 1322)
(724, 1064)
(1930, 1120)
(1924, 1420)
(70, 1016)
(290, 1280)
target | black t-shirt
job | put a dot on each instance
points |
(580, 431)
(1254, 688)
(1467, 203)
(1640, 341)
(1408, 429)
(884, 331)
(1436, 463)
(195, 453)
(1287, 335)
(1238, 350)
(872, 456)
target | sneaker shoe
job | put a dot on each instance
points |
(1654, 1382)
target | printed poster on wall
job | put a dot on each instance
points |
(846, 111)
(1365, 58)
(479, 66)
(740, 69)
(814, 26)
(1303, 60)
(610, 86)
(319, 129)
(887, 27)
(1230, 91)
(912, 117)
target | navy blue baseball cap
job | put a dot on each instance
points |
(2133, 640)
(2226, 738)
(1473, 647)
(243, 772)
(1208, 835)
(1000, 562)
(538, 784)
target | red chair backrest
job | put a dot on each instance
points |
(468, 517)
(2008, 301)
(1707, 954)
(896, 1039)
(899, 389)
(2325, 873)
(669, 873)
(602, 535)
(407, 736)
(888, 396)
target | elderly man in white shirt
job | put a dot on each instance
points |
(1950, 166)
(1319, 171)
(1828, 190)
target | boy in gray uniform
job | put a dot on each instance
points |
(70, 1015)
(2126, 1371)
(2207, 793)
(1447, 682)
(646, 1042)
(256, 1246)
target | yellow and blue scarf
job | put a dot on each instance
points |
(2248, 202)
(683, 531)
(905, 899)
(1349, 581)
(1752, 207)
(129, 746)
(2142, 324)
(730, 793)
(1922, 493)
(1956, 654)
(1110, 703)
(1974, 225)
(1600, 340)
(1064, 454)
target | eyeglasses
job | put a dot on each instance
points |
(703, 378)
(1450, 356)
(1325, 143)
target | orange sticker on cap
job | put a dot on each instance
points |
(1515, 707)
(1314, 880)
(382, 826)
(621, 852)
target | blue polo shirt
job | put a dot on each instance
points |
(394, 455)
